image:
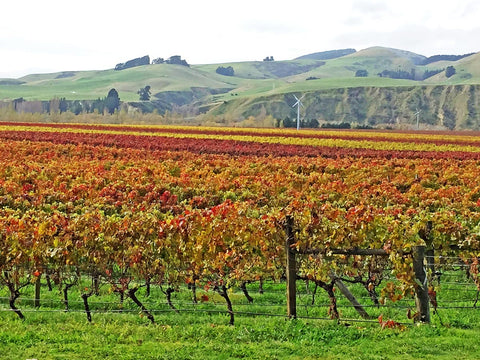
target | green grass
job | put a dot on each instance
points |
(202, 336)
(204, 333)
(88, 85)
(254, 78)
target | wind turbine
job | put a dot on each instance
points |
(417, 114)
(298, 104)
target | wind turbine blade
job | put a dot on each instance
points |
(295, 97)
(295, 104)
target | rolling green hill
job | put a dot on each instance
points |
(202, 90)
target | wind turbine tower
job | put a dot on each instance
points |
(417, 114)
(298, 104)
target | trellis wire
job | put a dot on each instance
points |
(220, 312)
(450, 272)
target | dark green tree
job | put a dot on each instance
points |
(177, 60)
(76, 107)
(289, 123)
(430, 73)
(361, 73)
(312, 124)
(63, 105)
(227, 71)
(159, 60)
(450, 71)
(144, 93)
(98, 105)
(145, 60)
(112, 101)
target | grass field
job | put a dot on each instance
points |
(88, 85)
(252, 78)
(51, 333)
(68, 336)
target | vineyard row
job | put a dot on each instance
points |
(135, 215)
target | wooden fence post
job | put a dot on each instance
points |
(36, 301)
(291, 270)
(421, 300)
(429, 250)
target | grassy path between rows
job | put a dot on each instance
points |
(57, 335)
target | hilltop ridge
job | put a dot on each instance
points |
(250, 86)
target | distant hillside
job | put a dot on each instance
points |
(436, 58)
(259, 88)
(389, 56)
(442, 106)
(9, 82)
(282, 69)
(327, 55)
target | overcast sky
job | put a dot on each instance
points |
(58, 35)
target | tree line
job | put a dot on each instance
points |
(109, 104)
(292, 123)
(409, 75)
(145, 60)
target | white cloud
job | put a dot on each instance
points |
(79, 35)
